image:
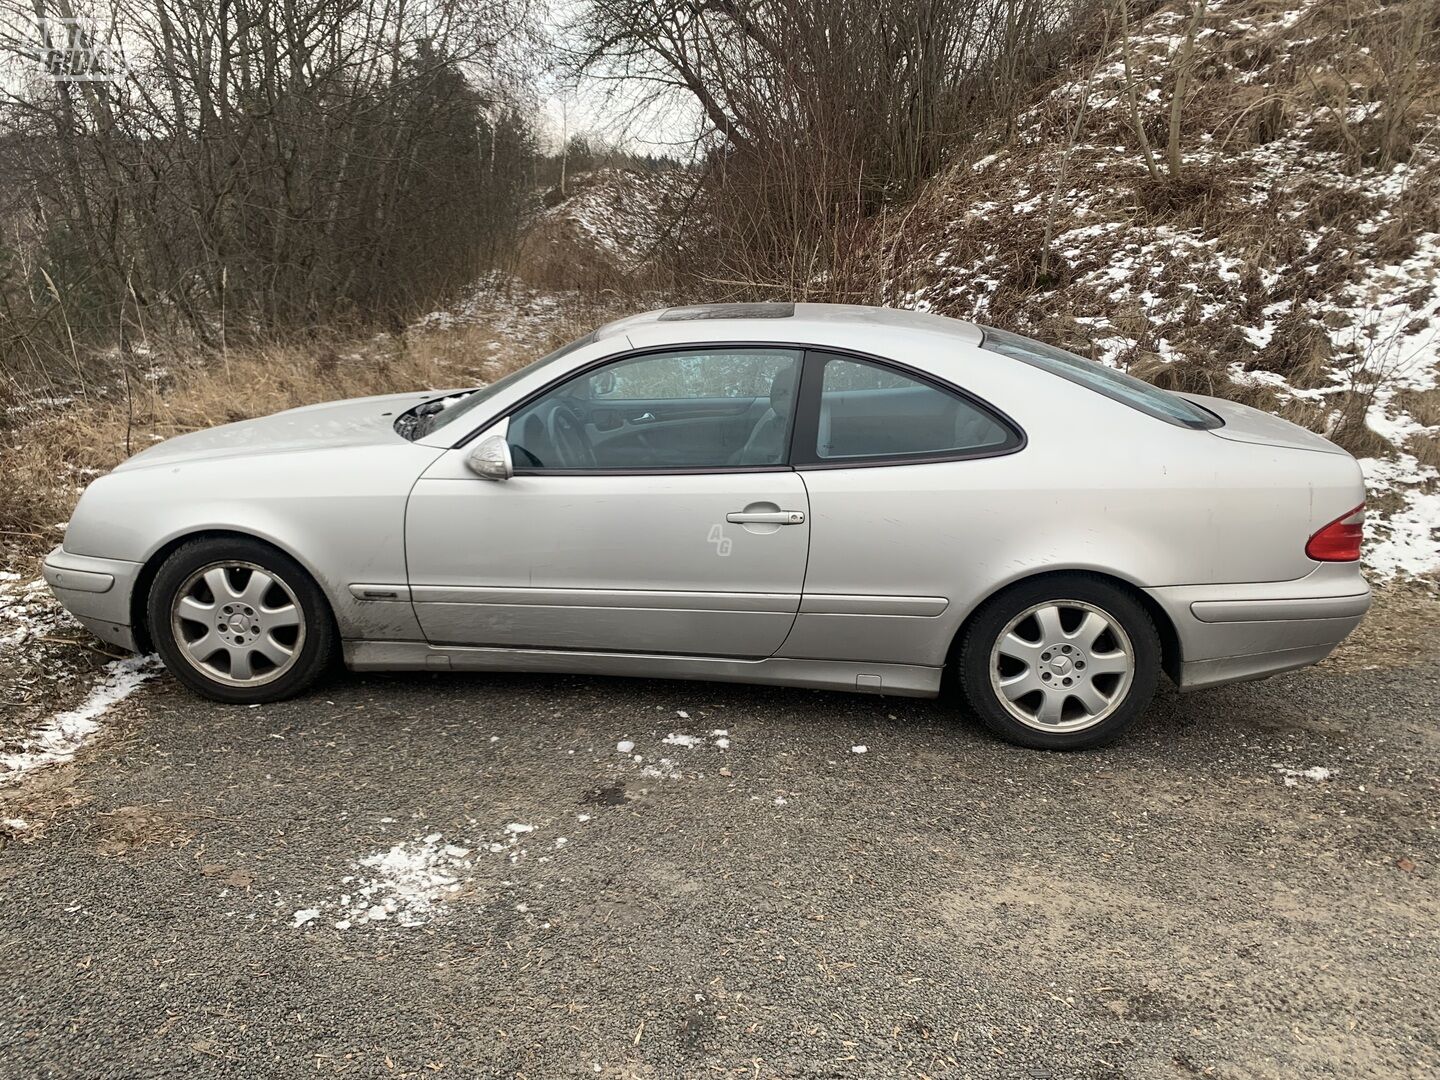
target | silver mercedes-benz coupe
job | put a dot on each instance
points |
(826, 496)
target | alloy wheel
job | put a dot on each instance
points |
(1062, 666)
(238, 623)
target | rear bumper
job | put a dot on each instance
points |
(1230, 633)
(96, 591)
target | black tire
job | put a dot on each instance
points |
(1127, 700)
(312, 642)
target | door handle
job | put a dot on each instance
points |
(773, 517)
(646, 417)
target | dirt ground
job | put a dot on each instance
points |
(1245, 887)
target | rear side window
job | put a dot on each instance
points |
(1116, 385)
(869, 411)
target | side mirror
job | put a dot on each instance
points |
(489, 459)
(603, 383)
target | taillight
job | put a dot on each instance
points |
(1340, 540)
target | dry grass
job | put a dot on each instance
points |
(1340, 417)
(1201, 374)
(1358, 438)
(1426, 449)
(1423, 405)
(1300, 350)
(1403, 627)
(51, 452)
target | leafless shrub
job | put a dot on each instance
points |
(1203, 373)
(1338, 207)
(1184, 67)
(1375, 92)
(615, 232)
(1416, 212)
(1180, 67)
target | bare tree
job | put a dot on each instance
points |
(1137, 117)
(821, 112)
(1185, 62)
(270, 163)
(1072, 138)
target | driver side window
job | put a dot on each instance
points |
(693, 409)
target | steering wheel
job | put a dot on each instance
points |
(567, 435)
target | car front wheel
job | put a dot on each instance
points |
(1062, 663)
(239, 622)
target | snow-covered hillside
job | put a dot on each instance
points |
(608, 226)
(1292, 263)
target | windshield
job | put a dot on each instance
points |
(433, 415)
(1116, 385)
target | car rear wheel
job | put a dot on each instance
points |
(1060, 663)
(240, 622)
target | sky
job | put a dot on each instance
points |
(613, 111)
(592, 107)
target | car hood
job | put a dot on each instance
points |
(1247, 425)
(356, 422)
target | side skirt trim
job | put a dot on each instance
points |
(903, 680)
(624, 599)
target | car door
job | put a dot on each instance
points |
(651, 509)
(891, 457)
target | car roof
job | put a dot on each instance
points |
(811, 323)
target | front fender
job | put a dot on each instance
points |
(340, 514)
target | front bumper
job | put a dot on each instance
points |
(1231, 633)
(96, 591)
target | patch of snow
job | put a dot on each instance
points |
(28, 611)
(859, 749)
(1412, 542)
(1292, 777)
(59, 738)
(410, 883)
(687, 741)
(39, 402)
(1408, 541)
(624, 746)
(623, 213)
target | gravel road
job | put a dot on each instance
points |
(1245, 887)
